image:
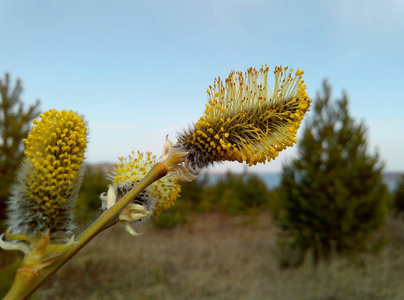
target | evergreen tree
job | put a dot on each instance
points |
(255, 193)
(236, 193)
(192, 192)
(15, 123)
(93, 185)
(334, 194)
(399, 196)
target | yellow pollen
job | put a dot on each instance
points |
(246, 116)
(55, 168)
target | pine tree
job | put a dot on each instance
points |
(236, 193)
(15, 123)
(399, 196)
(334, 194)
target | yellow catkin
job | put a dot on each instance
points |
(159, 196)
(250, 122)
(50, 176)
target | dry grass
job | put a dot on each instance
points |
(218, 257)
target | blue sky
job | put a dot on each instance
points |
(138, 70)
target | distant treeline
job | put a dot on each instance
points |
(230, 193)
(273, 180)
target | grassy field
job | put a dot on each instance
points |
(220, 257)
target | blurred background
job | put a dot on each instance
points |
(322, 221)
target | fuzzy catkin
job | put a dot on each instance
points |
(50, 176)
(245, 121)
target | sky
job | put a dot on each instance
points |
(139, 70)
